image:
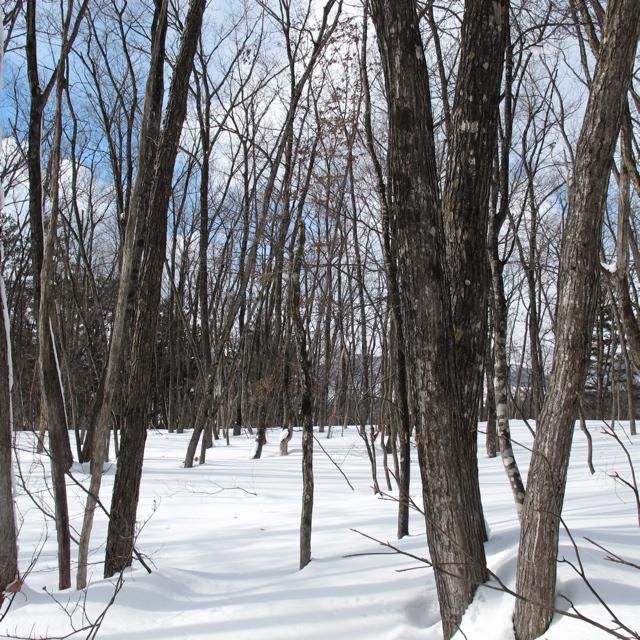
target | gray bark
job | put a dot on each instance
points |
(501, 373)
(403, 447)
(306, 405)
(121, 534)
(465, 207)
(8, 539)
(578, 282)
(49, 365)
(415, 212)
(128, 281)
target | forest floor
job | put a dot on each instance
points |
(222, 540)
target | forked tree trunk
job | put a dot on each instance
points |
(128, 281)
(577, 297)
(121, 534)
(449, 491)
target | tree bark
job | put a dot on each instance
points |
(578, 282)
(306, 403)
(470, 163)
(129, 277)
(49, 362)
(403, 446)
(121, 534)
(8, 532)
(456, 547)
(491, 440)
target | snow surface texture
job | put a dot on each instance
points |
(223, 541)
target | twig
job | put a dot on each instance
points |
(503, 588)
(633, 484)
(613, 557)
(335, 464)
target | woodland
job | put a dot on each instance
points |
(408, 225)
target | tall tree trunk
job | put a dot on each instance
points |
(577, 296)
(501, 379)
(470, 164)
(8, 532)
(443, 438)
(39, 97)
(129, 277)
(121, 534)
(49, 366)
(397, 324)
(34, 164)
(306, 405)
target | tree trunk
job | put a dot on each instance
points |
(129, 278)
(449, 493)
(403, 446)
(34, 166)
(501, 374)
(465, 206)
(491, 441)
(578, 282)
(8, 532)
(306, 405)
(49, 366)
(121, 535)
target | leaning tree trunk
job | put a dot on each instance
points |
(449, 493)
(501, 377)
(121, 534)
(577, 296)
(128, 283)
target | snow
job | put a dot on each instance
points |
(222, 539)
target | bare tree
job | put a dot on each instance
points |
(446, 437)
(127, 481)
(128, 278)
(8, 533)
(578, 279)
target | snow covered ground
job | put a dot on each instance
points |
(223, 541)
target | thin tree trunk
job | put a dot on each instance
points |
(585, 430)
(501, 377)
(49, 364)
(8, 532)
(491, 440)
(306, 405)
